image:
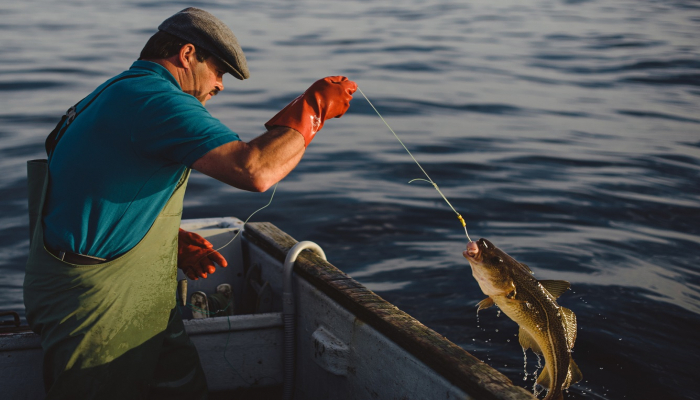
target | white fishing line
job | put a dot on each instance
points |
(250, 216)
(244, 222)
(429, 180)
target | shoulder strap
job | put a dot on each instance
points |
(72, 113)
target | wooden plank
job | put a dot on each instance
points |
(446, 358)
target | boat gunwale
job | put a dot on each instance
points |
(458, 366)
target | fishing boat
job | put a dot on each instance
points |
(294, 326)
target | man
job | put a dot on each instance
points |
(100, 280)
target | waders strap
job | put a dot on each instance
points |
(37, 170)
(72, 113)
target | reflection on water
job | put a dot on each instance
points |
(565, 131)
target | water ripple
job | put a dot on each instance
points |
(679, 79)
(566, 132)
(55, 70)
(652, 114)
(30, 119)
(29, 85)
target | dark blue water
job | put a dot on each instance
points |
(566, 132)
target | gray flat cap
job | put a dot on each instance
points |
(208, 32)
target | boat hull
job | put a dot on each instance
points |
(349, 343)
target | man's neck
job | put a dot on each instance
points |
(168, 64)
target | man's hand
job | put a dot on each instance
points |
(196, 256)
(326, 98)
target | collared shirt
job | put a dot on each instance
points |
(120, 160)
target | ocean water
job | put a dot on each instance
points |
(565, 132)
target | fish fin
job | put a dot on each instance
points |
(569, 319)
(556, 288)
(573, 376)
(543, 379)
(512, 295)
(485, 303)
(528, 342)
(527, 268)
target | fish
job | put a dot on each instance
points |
(544, 326)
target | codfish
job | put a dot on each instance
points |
(545, 327)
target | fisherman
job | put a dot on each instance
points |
(101, 275)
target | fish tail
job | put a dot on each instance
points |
(573, 376)
(545, 380)
(553, 393)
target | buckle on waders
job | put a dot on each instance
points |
(71, 114)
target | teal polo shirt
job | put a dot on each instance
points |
(120, 160)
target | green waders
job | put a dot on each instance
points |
(111, 330)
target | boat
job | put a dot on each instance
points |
(295, 326)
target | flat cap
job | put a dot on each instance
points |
(204, 30)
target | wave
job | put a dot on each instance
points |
(657, 115)
(680, 79)
(29, 85)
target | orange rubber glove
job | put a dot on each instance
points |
(326, 98)
(196, 256)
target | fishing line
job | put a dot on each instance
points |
(240, 230)
(208, 313)
(429, 180)
(248, 219)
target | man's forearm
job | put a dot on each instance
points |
(257, 165)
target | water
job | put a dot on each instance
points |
(566, 132)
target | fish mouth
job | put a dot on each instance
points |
(475, 250)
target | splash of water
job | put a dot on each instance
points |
(535, 375)
(525, 364)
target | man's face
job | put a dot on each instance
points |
(204, 79)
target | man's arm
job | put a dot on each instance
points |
(257, 165)
(267, 159)
(264, 161)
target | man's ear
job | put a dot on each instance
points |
(186, 56)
